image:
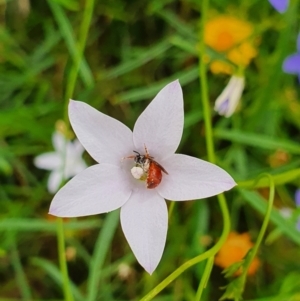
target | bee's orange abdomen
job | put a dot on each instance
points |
(154, 176)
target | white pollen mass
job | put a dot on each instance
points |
(137, 172)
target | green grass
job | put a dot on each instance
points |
(117, 61)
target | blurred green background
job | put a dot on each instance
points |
(133, 49)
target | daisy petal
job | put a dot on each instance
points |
(98, 189)
(54, 181)
(144, 220)
(190, 178)
(105, 138)
(160, 126)
(48, 161)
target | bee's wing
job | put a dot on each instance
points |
(160, 167)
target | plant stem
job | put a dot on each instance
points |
(87, 17)
(263, 227)
(62, 260)
(211, 156)
(208, 126)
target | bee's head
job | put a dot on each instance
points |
(139, 159)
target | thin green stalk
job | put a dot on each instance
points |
(62, 260)
(87, 17)
(211, 156)
(263, 227)
(100, 253)
(171, 209)
(204, 87)
(205, 277)
(208, 123)
(209, 253)
(235, 288)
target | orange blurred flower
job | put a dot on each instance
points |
(231, 37)
(234, 250)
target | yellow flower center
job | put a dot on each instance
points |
(225, 41)
(233, 38)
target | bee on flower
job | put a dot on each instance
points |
(136, 171)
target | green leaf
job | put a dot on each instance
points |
(138, 94)
(56, 276)
(30, 225)
(100, 253)
(257, 141)
(67, 32)
(146, 56)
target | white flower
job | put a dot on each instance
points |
(110, 185)
(65, 162)
(228, 100)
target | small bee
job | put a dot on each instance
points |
(150, 167)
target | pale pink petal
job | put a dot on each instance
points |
(48, 161)
(160, 126)
(59, 141)
(54, 181)
(106, 139)
(75, 167)
(98, 189)
(190, 178)
(144, 220)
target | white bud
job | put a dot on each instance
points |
(228, 100)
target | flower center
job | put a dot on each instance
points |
(225, 41)
(146, 169)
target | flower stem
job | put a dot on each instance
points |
(211, 156)
(209, 138)
(204, 86)
(263, 227)
(83, 33)
(87, 17)
(209, 253)
(205, 277)
(62, 260)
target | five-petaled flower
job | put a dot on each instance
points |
(292, 63)
(229, 99)
(122, 177)
(280, 5)
(65, 162)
